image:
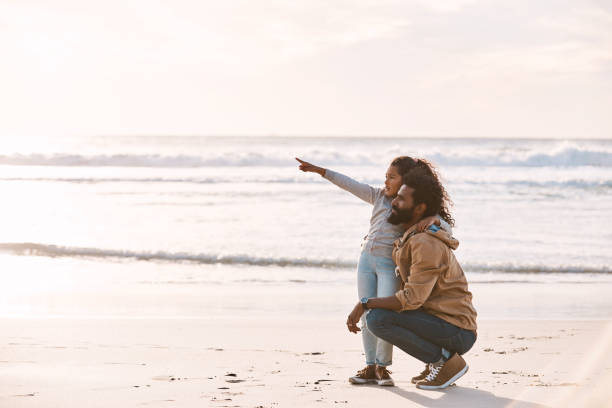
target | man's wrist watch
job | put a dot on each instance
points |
(364, 303)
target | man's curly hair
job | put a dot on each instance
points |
(428, 190)
(406, 164)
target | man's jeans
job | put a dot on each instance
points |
(419, 334)
(376, 278)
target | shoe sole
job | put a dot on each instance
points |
(385, 383)
(446, 384)
(361, 382)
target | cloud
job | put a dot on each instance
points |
(346, 66)
(447, 6)
(223, 34)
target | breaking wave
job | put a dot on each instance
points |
(563, 155)
(35, 249)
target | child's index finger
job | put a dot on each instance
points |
(301, 161)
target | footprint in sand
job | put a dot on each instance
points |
(168, 378)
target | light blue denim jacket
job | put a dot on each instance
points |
(381, 234)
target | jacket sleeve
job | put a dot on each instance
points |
(425, 268)
(364, 191)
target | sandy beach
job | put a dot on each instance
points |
(79, 333)
(130, 362)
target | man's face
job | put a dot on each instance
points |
(402, 207)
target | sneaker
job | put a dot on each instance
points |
(365, 376)
(443, 375)
(383, 377)
(421, 376)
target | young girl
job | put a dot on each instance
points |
(376, 275)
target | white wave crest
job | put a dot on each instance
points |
(36, 249)
(564, 155)
(571, 183)
(141, 160)
(561, 155)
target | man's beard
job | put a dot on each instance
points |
(401, 216)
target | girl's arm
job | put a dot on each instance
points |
(364, 191)
(445, 226)
(435, 219)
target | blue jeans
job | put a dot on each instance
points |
(376, 278)
(419, 334)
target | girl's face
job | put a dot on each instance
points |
(393, 182)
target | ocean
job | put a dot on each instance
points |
(219, 214)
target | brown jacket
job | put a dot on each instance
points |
(432, 278)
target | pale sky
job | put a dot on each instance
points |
(519, 68)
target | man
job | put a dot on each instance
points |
(432, 317)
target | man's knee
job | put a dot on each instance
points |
(377, 318)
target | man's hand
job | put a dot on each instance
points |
(354, 317)
(308, 167)
(389, 303)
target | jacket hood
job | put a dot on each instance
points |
(437, 232)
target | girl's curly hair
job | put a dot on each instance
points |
(405, 164)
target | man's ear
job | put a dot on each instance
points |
(420, 210)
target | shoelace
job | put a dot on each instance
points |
(385, 371)
(362, 373)
(433, 372)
